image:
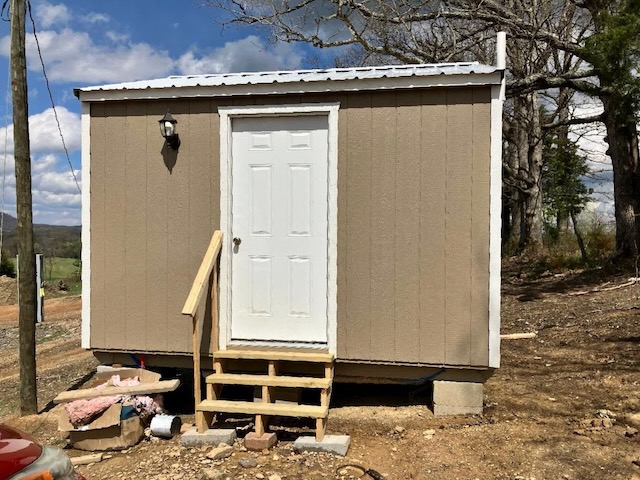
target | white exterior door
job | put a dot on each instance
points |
(279, 210)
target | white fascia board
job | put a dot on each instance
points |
(495, 224)
(86, 225)
(328, 86)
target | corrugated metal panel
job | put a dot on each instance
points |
(296, 76)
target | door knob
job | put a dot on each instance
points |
(237, 241)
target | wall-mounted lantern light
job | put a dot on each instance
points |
(169, 131)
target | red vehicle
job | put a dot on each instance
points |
(23, 458)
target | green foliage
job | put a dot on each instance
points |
(7, 268)
(614, 51)
(563, 189)
(67, 270)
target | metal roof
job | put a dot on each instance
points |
(300, 76)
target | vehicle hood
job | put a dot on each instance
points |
(17, 450)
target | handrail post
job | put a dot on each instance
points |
(194, 308)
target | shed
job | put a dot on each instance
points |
(359, 211)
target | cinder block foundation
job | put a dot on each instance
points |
(337, 444)
(457, 398)
(213, 436)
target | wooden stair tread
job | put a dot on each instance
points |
(269, 381)
(285, 355)
(259, 408)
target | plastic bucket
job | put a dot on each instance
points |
(165, 425)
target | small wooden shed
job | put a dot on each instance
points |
(359, 212)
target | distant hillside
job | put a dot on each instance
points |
(52, 240)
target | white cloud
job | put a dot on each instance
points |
(49, 15)
(95, 17)
(56, 198)
(73, 56)
(117, 37)
(249, 54)
(44, 134)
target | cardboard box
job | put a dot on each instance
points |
(107, 432)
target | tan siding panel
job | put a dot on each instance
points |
(432, 226)
(214, 167)
(343, 350)
(135, 226)
(407, 228)
(480, 228)
(458, 227)
(200, 203)
(179, 280)
(157, 282)
(98, 227)
(383, 226)
(358, 226)
(115, 225)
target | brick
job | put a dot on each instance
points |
(258, 443)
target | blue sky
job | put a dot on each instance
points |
(89, 43)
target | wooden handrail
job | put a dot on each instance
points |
(201, 281)
(195, 308)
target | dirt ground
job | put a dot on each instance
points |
(564, 405)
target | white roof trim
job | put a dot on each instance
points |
(300, 81)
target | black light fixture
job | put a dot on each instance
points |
(169, 131)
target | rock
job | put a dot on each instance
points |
(248, 462)
(603, 413)
(275, 476)
(633, 419)
(428, 434)
(399, 429)
(221, 451)
(212, 474)
(631, 432)
(259, 476)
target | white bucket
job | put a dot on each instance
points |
(165, 425)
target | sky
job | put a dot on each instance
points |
(93, 43)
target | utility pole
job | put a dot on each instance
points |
(27, 264)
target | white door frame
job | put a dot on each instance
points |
(226, 116)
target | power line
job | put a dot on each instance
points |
(55, 112)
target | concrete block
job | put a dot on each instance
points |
(258, 443)
(457, 398)
(337, 444)
(213, 436)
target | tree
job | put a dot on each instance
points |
(7, 268)
(594, 45)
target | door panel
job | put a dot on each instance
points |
(279, 214)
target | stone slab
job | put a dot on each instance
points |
(258, 443)
(443, 410)
(213, 436)
(457, 398)
(337, 444)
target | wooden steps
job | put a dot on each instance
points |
(268, 381)
(261, 408)
(296, 362)
(276, 355)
